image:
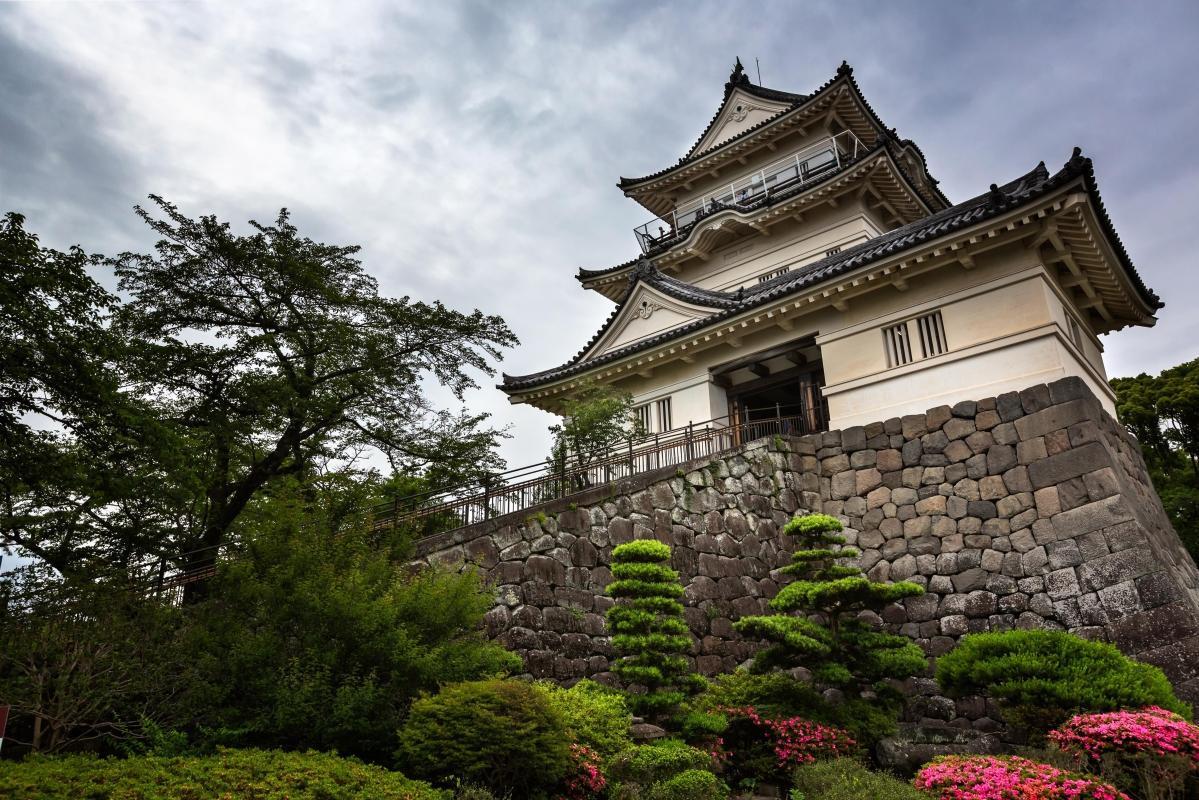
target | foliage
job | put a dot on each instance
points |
(1004, 777)
(245, 774)
(594, 715)
(848, 779)
(233, 362)
(597, 419)
(1162, 411)
(85, 662)
(502, 734)
(1148, 753)
(647, 628)
(694, 784)
(762, 748)
(1040, 678)
(646, 764)
(839, 649)
(584, 779)
(317, 636)
(777, 695)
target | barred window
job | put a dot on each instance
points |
(1075, 332)
(663, 408)
(773, 274)
(932, 335)
(642, 415)
(832, 251)
(898, 344)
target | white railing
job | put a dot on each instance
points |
(809, 164)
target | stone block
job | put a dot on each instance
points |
(1061, 584)
(1068, 464)
(1056, 418)
(1127, 565)
(1000, 458)
(1035, 398)
(1091, 517)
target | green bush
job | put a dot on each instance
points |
(1041, 678)
(647, 764)
(694, 784)
(777, 695)
(648, 630)
(847, 779)
(244, 774)
(503, 734)
(594, 715)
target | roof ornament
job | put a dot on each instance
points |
(996, 198)
(1076, 162)
(736, 78)
(643, 269)
(844, 69)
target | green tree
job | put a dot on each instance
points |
(818, 626)
(1162, 412)
(598, 422)
(318, 634)
(232, 362)
(648, 630)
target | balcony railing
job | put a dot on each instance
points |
(524, 487)
(782, 177)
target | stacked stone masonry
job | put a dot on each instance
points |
(1028, 510)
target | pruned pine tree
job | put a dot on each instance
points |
(648, 630)
(817, 624)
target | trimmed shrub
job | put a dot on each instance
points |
(1041, 678)
(778, 695)
(848, 779)
(647, 764)
(1007, 777)
(760, 748)
(594, 715)
(816, 624)
(502, 734)
(1149, 753)
(648, 630)
(694, 784)
(244, 774)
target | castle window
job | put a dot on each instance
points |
(663, 409)
(642, 416)
(932, 334)
(772, 275)
(1075, 332)
(898, 343)
(832, 251)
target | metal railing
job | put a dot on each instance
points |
(785, 175)
(524, 487)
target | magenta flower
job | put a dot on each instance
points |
(1008, 778)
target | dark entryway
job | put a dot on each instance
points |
(775, 391)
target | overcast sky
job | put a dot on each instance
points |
(472, 148)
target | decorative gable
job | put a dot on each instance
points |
(740, 112)
(645, 313)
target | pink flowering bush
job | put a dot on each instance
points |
(1149, 752)
(583, 780)
(1008, 778)
(759, 747)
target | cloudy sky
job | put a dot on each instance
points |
(472, 148)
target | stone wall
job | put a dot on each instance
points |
(1032, 509)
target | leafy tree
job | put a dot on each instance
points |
(233, 361)
(648, 630)
(84, 664)
(1162, 412)
(598, 421)
(318, 635)
(818, 626)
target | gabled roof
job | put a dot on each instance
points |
(738, 80)
(998, 200)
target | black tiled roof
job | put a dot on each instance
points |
(998, 200)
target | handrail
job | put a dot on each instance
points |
(523, 487)
(814, 161)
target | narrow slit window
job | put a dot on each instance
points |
(898, 344)
(664, 421)
(642, 416)
(774, 274)
(932, 335)
(1075, 333)
(832, 251)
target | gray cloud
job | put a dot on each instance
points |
(472, 147)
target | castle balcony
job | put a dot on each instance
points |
(748, 193)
